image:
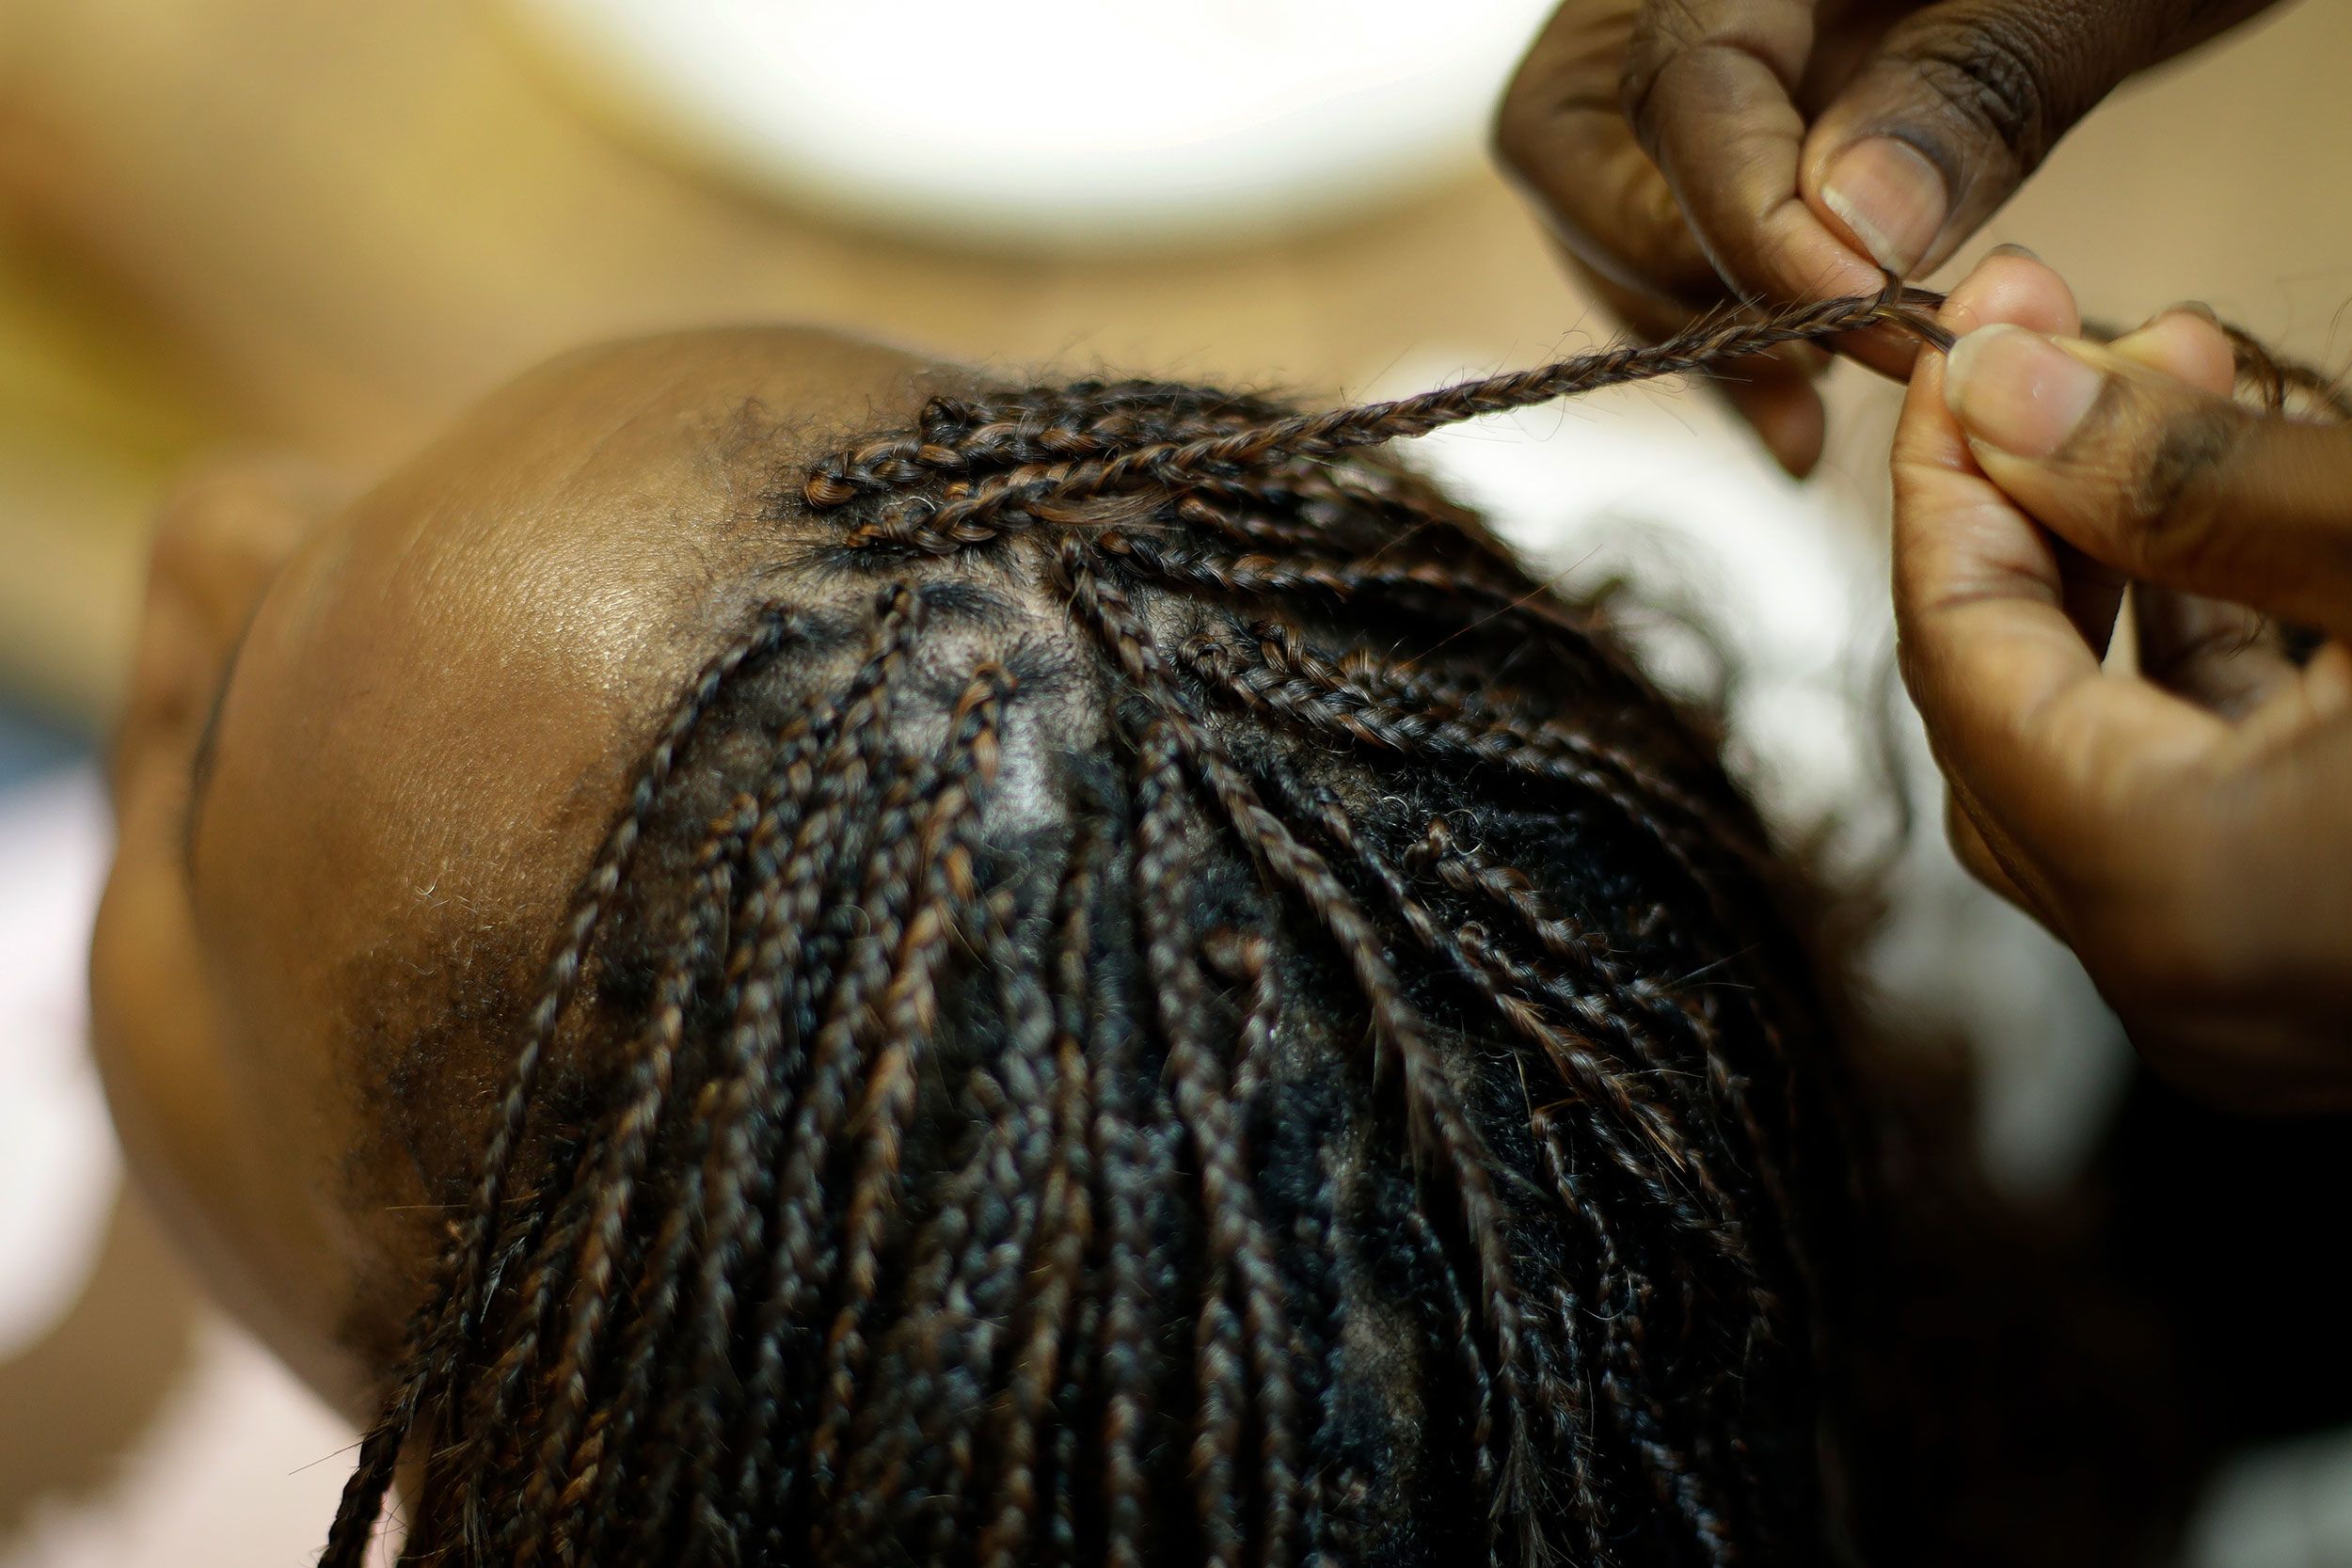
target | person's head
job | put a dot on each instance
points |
(776, 954)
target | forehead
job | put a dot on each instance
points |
(439, 699)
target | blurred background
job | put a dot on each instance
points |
(322, 227)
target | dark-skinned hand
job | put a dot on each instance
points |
(1688, 152)
(2183, 820)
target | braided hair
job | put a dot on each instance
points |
(1190, 1013)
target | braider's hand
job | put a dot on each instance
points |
(2186, 826)
(1685, 152)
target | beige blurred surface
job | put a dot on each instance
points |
(323, 225)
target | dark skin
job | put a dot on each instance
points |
(2178, 819)
(1690, 153)
(436, 691)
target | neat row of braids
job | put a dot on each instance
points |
(1173, 1006)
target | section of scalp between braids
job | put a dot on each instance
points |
(1438, 1124)
(992, 504)
(448, 1320)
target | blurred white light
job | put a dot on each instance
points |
(58, 1169)
(1055, 124)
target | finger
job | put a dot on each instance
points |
(2023, 719)
(1972, 847)
(2178, 342)
(2220, 655)
(1710, 86)
(1561, 134)
(1964, 100)
(2011, 284)
(2157, 478)
(1784, 410)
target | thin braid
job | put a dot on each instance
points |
(1060, 1253)
(1244, 958)
(594, 1471)
(1631, 1105)
(1437, 1119)
(1673, 1472)
(820, 843)
(1603, 990)
(907, 1013)
(1131, 1161)
(958, 438)
(1241, 1252)
(1317, 695)
(746, 1228)
(622, 1152)
(1074, 1004)
(914, 1457)
(448, 1323)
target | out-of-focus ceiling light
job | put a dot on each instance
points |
(1063, 125)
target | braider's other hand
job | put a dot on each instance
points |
(1688, 152)
(2185, 823)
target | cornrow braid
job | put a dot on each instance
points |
(1201, 1017)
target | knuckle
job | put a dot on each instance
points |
(1515, 138)
(1992, 78)
(1571, 70)
(1662, 30)
(2167, 470)
(1526, 133)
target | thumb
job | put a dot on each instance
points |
(1962, 100)
(2158, 479)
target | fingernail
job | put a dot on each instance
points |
(2185, 307)
(1891, 196)
(2018, 392)
(2010, 248)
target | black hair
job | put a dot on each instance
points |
(1170, 1005)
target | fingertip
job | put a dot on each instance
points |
(2012, 285)
(2185, 342)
